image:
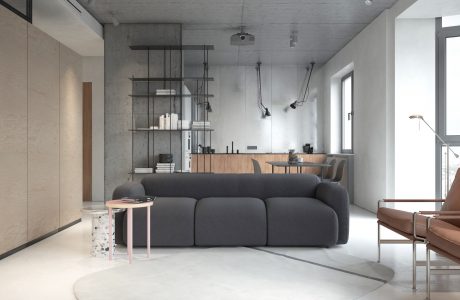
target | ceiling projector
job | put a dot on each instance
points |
(242, 39)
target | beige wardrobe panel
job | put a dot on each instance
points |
(71, 148)
(43, 134)
(13, 130)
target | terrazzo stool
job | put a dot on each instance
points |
(100, 230)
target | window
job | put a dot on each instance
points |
(347, 113)
(22, 8)
(452, 86)
(451, 21)
(448, 102)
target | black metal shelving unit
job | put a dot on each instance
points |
(147, 97)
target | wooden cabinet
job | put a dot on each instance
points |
(242, 163)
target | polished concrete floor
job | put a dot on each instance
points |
(48, 269)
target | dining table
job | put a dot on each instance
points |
(299, 165)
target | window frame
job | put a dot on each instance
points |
(442, 34)
(27, 16)
(345, 77)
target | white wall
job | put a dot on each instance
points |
(371, 55)
(236, 116)
(415, 93)
(93, 71)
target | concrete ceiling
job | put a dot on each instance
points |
(323, 26)
(70, 24)
(432, 9)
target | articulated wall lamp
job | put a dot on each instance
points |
(448, 148)
(306, 91)
(262, 107)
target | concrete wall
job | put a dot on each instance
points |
(121, 63)
(236, 116)
(93, 71)
(371, 55)
(40, 133)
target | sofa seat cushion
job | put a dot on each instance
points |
(171, 223)
(445, 236)
(230, 221)
(402, 221)
(300, 221)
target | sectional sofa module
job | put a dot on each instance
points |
(237, 210)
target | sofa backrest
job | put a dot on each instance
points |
(260, 186)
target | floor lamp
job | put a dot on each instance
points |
(420, 117)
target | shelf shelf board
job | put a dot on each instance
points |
(170, 96)
(134, 173)
(145, 79)
(172, 47)
(168, 130)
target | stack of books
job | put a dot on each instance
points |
(166, 92)
(201, 125)
(165, 168)
(143, 170)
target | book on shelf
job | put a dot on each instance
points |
(136, 200)
(201, 123)
(143, 170)
(164, 171)
(165, 92)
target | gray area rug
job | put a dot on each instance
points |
(238, 273)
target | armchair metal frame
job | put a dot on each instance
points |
(413, 239)
(439, 267)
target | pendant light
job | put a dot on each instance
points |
(262, 107)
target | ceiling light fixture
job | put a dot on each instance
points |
(293, 39)
(368, 2)
(115, 21)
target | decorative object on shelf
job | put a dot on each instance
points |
(292, 158)
(262, 107)
(165, 158)
(448, 149)
(305, 91)
(307, 149)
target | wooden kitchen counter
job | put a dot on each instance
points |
(242, 163)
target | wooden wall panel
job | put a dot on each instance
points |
(13, 130)
(87, 140)
(43, 134)
(71, 151)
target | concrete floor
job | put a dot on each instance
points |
(48, 269)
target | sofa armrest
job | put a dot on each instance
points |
(128, 189)
(336, 197)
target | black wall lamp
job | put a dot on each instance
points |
(306, 91)
(262, 107)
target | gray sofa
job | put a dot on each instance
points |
(237, 210)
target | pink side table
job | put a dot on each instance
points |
(129, 205)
